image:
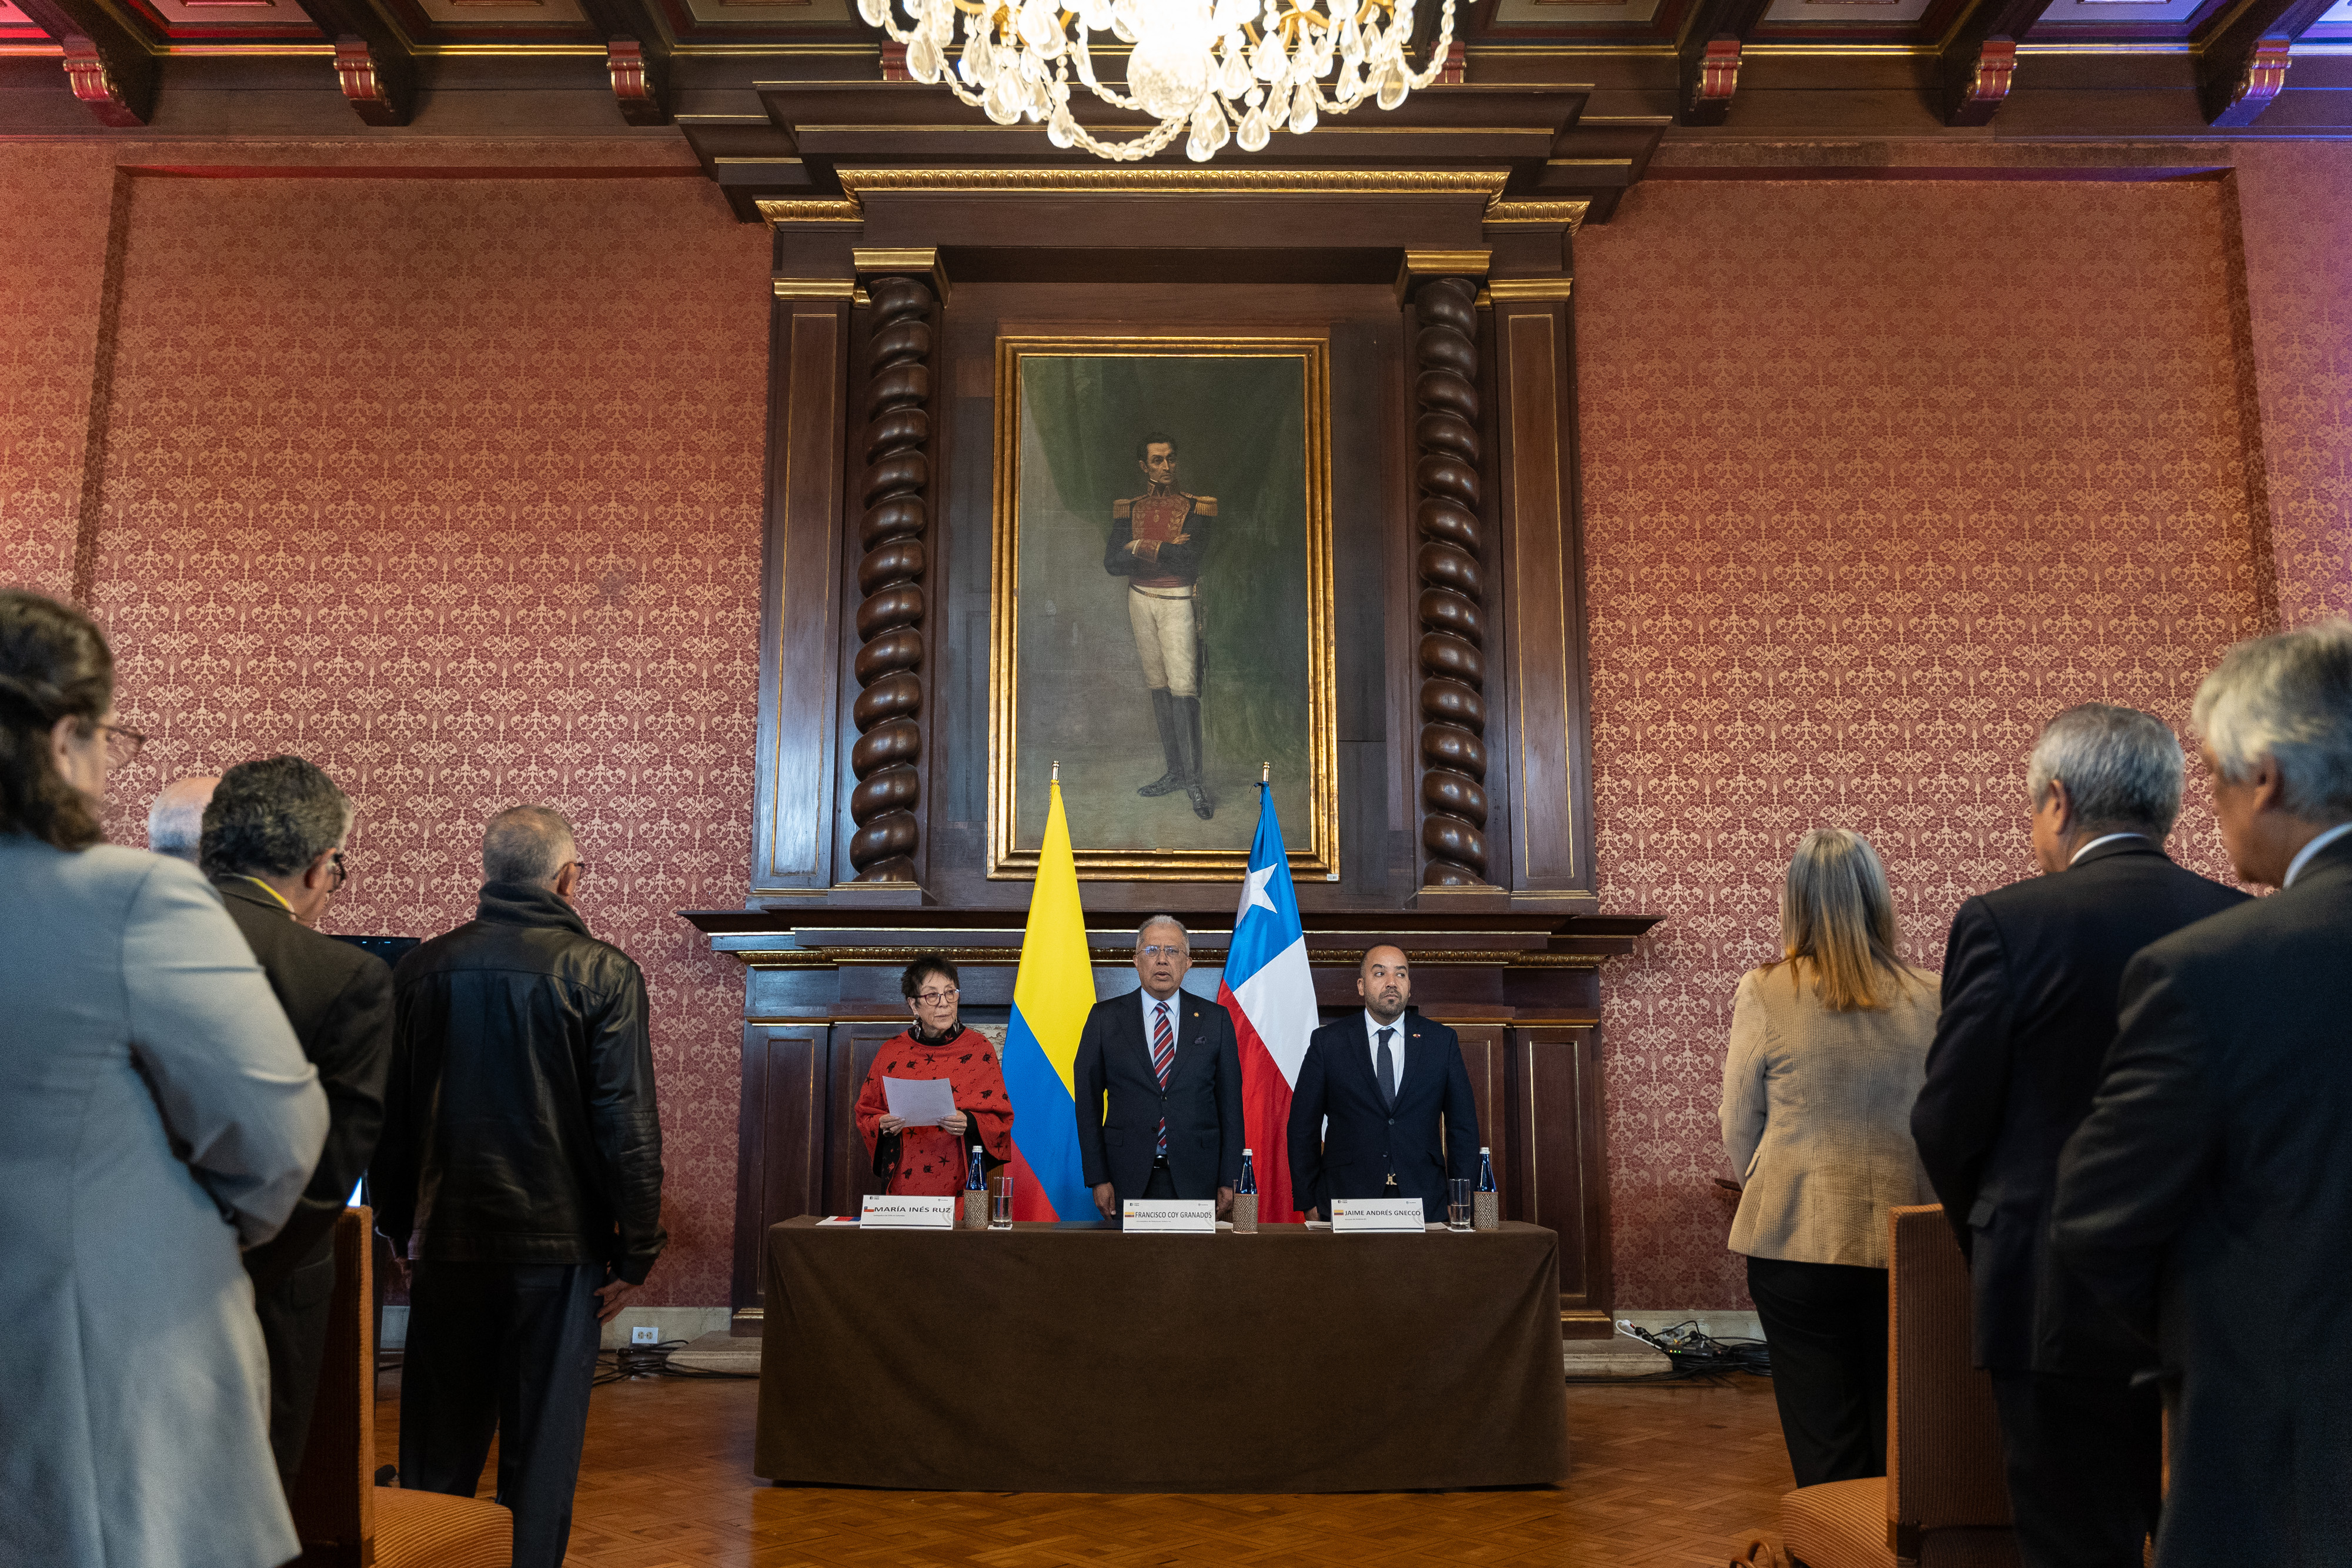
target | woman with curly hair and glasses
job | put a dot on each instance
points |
(932, 1160)
(155, 1115)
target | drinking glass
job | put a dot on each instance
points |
(1457, 1203)
(1000, 1215)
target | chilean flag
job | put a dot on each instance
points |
(1271, 996)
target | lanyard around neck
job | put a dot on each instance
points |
(270, 889)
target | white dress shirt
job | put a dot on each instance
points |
(1372, 1028)
(2302, 856)
(2095, 843)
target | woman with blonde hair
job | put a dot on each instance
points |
(1827, 1048)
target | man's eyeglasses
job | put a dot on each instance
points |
(1157, 951)
(121, 745)
(343, 873)
(933, 999)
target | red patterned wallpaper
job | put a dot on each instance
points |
(453, 486)
(2295, 199)
(52, 275)
(1877, 478)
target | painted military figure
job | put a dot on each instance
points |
(1157, 543)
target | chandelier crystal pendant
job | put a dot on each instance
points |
(1216, 70)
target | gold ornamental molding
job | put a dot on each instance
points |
(1548, 213)
(1421, 265)
(903, 262)
(1506, 290)
(834, 211)
(857, 184)
(816, 289)
(1486, 182)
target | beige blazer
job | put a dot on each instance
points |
(1817, 1118)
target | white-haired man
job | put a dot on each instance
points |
(521, 1173)
(1159, 1081)
(175, 820)
(2029, 1009)
(2209, 1189)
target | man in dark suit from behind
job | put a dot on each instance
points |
(1159, 1085)
(521, 1173)
(2029, 1009)
(273, 840)
(1387, 1080)
(2207, 1197)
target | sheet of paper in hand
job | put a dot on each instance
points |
(919, 1101)
(893, 1211)
(1378, 1214)
(1181, 1216)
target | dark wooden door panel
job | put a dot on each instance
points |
(776, 1173)
(848, 1169)
(1487, 1053)
(1562, 1181)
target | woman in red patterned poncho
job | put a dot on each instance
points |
(931, 1161)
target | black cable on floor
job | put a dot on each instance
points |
(1694, 1354)
(630, 1362)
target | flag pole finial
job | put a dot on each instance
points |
(1264, 772)
(1058, 774)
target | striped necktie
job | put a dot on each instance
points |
(1163, 1056)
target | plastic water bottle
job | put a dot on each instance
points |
(974, 1214)
(1245, 1197)
(1485, 1203)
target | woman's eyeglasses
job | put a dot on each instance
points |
(933, 999)
(121, 745)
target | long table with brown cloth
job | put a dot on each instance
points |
(1077, 1358)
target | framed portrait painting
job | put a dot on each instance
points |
(1162, 598)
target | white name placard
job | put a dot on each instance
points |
(885, 1212)
(1378, 1214)
(1163, 1216)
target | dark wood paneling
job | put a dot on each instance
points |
(848, 1170)
(800, 616)
(890, 563)
(1449, 547)
(1487, 1053)
(1543, 572)
(778, 1140)
(1563, 1177)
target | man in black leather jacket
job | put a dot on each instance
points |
(521, 1173)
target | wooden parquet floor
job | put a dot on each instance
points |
(1664, 1476)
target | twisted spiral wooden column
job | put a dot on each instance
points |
(889, 754)
(1451, 610)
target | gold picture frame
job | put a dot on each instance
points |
(1313, 851)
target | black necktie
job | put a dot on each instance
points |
(1388, 1071)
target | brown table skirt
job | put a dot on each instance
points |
(1057, 1358)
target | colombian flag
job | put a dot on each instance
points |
(1051, 996)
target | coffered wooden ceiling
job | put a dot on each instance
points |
(1593, 84)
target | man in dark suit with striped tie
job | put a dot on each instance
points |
(1387, 1080)
(1159, 1080)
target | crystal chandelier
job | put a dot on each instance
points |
(1222, 69)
